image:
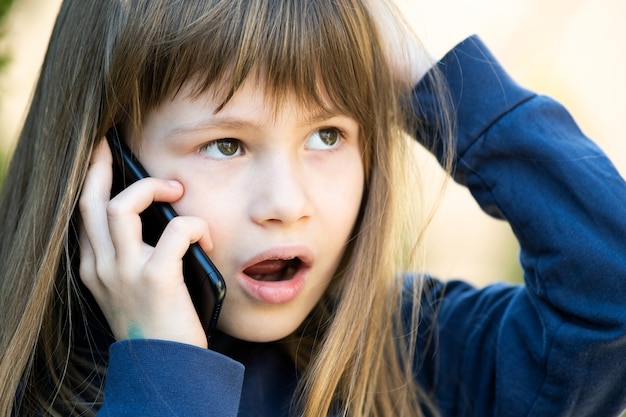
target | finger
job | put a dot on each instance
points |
(123, 211)
(174, 242)
(94, 199)
(87, 266)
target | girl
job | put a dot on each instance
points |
(276, 129)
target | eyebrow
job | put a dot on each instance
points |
(238, 123)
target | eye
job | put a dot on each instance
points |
(222, 148)
(323, 139)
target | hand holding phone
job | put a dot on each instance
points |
(205, 283)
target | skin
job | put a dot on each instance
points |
(252, 185)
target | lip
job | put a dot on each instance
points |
(277, 292)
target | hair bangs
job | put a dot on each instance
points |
(320, 52)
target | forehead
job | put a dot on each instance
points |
(252, 97)
(252, 106)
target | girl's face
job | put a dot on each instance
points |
(280, 191)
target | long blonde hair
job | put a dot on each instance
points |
(108, 63)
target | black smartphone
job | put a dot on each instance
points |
(205, 283)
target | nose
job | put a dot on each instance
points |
(280, 192)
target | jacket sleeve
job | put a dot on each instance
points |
(161, 378)
(557, 345)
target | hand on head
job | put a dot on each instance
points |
(416, 34)
(408, 59)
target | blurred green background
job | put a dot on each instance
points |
(5, 6)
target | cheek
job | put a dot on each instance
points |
(339, 199)
(224, 218)
(215, 206)
(343, 191)
(342, 205)
(218, 206)
(206, 191)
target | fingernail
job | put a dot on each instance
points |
(175, 183)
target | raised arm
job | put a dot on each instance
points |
(556, 346)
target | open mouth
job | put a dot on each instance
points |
(272, 270)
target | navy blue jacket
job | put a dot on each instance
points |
(553, 347)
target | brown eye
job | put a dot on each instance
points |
(228, 147)
(327, 138)
(222, 148)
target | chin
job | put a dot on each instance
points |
(260, 331)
